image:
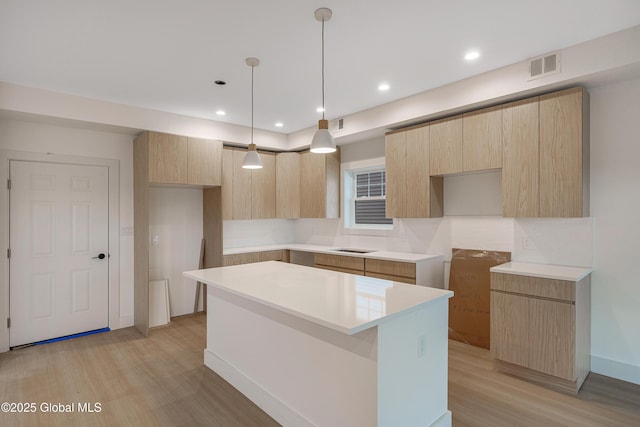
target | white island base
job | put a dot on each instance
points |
(321, 348)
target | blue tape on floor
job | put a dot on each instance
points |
(68, 337)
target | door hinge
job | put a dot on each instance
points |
(9, 253)
(8, 322)
(8, 184)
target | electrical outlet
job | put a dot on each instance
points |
(155, 240)
(422, 346)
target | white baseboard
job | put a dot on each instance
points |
(443, 421)
(269, 403)
(615, 369)
(125, 322)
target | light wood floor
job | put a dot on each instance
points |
(161, 381)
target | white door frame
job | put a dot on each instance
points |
(114, 229)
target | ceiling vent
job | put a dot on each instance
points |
(544, 66)
(336, 126)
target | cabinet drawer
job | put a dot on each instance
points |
(392, 268)
(534, 286)
(409, 280)
(348, 262)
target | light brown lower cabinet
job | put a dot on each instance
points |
(540, 329)
(345, 264)
(251, 257)
(382, 269)
(391, 270)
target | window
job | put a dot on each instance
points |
(365, 199)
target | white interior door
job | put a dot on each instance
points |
(58, 281)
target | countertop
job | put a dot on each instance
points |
(545, 271)
(384, 255)
(343, 302)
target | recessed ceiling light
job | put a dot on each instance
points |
(279, 124)
(382, 87)
(221, 113)
(320, 109)
(471, 55)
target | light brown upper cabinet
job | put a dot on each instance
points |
(411, 192)
(482, 139)
(288, 185)
(319, 185)
(247, 193)
(241, 195)
(520, 171)
(175, 159)
(204, 162)
(564, 153)
(263, 188)
(445, 146)
(545, 169)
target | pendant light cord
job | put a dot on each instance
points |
(323, 69)
(252, 67)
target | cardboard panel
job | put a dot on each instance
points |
(469, 315)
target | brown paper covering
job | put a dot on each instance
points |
(469, 315)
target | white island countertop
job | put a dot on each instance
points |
(343, 302)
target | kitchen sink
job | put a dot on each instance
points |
(353, 251)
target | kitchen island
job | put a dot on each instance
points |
(313, 347)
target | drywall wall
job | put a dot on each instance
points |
(615, 203)
(175, 233)
(73, 139)
(22, 99)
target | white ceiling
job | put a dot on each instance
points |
(166, 54)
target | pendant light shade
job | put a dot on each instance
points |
(322, 141)
(252, 158)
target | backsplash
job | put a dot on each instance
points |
(550, 241)
(257, 232)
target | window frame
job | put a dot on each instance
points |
(350, 198)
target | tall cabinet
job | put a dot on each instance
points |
(163, 159)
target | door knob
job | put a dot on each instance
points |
(100, 256)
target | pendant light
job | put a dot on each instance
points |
(322, 141)
(252, 158)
